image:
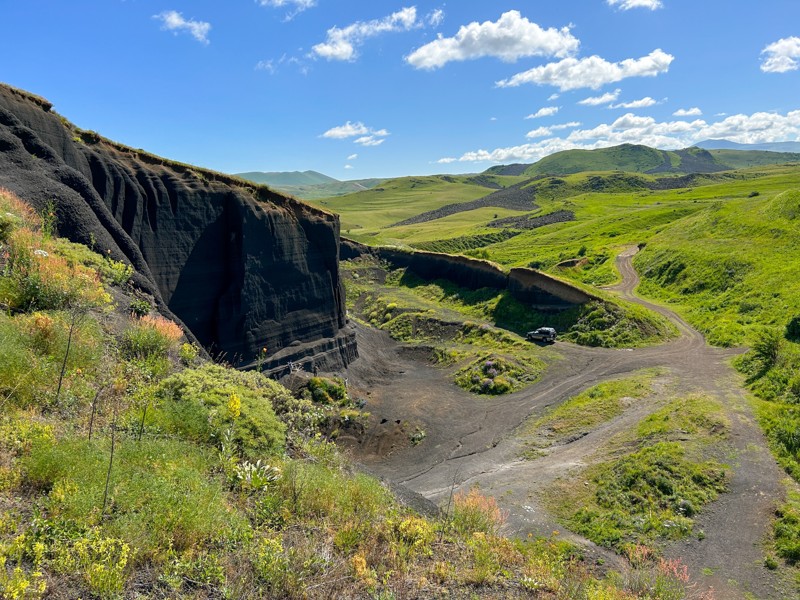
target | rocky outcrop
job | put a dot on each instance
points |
(244, 268)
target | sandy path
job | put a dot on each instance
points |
(470, 441)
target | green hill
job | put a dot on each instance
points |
(642, 159)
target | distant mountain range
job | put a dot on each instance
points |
(643, 159)
(308, 185)
(769, 147)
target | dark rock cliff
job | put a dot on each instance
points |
(244, 268)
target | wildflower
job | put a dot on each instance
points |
(234, 405)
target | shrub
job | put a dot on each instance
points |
(194, 404)
(140, 308)
(793, 329)
(188, 354)
(327, 391)
(150, 336)
(475, 513)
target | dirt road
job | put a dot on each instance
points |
(471, 441)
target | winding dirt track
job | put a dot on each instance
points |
(471, 441)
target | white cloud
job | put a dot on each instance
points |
(539, 132)
(348, 167)
(547, 111)
(570, 125)
(634, 129)
(370, 140)
(604, 99)
(510, 38)
(629, 4)
(435, 18)
(172, 20)
(345, 131)
(341, 43)
(364, 135)
(689, 112)
(782, 56)
(272, 66)
(592, 72)
(553, 97)
(297, 6)
(547, 131)
(352, 157)
(641, 103)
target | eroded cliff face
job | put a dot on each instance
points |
(243, 267)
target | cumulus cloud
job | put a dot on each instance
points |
(690, 112)
(592, 72)
(345, 131)
(629, 4)
(172, 20)
(782, 56)
(553, 96)
(509, 38)
(352, 157)
(634, 129)
(606, 98)
(342, 42)
(365, 136)
(547, 111)
(641, 103)
(348, 167)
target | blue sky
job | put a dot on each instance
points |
(390, 88)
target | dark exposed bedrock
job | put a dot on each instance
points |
(244, 268)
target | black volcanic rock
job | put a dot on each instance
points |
(244, 268)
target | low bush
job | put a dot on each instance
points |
(492, 375)
(474, 512)
(196, 405)
(150, 336)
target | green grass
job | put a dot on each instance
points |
(656, 484)
(585, 412)
(365, 212)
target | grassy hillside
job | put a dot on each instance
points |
(365, 212)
